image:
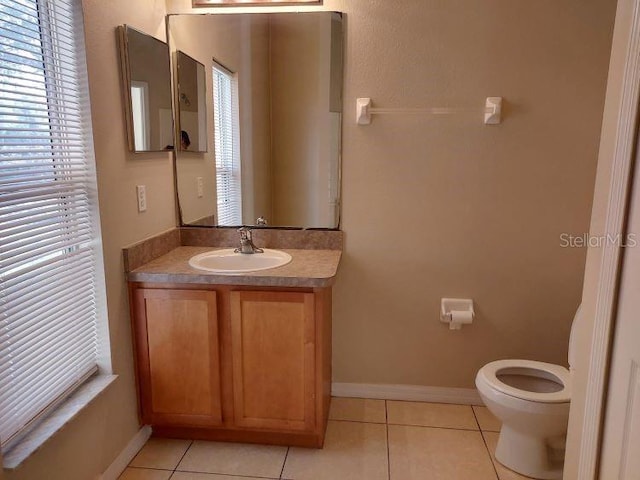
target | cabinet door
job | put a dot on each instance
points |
(178, 357)
(273, 351)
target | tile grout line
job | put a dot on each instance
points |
(181, 458)
(284, 463)
(410, 425)
(150, 468)
(356, 421)
(435, 426)
(486, 446)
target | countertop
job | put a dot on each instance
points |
(308, 268)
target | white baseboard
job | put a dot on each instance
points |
(416, 393)
(124, 458)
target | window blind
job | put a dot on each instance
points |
(48, 227)
(227, 152)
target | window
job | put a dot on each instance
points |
(227, 151)
(50, 250)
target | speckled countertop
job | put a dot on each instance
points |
(308, 268)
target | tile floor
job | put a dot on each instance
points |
(366, 440)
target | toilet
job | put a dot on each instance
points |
(532, 400)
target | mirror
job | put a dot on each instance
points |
(192, 107)
(147, 90)
(273, 107)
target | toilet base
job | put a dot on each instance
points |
(527, 455)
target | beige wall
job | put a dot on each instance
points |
(301, 120)
(446, 206)
(258, 193)
(86, 447)
(603, 189)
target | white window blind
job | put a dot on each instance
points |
(227, 151)
(48, 224)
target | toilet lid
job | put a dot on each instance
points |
(489, 373)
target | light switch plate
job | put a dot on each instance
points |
(200, 186)
(141, 192)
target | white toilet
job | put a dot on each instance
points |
(532, 401)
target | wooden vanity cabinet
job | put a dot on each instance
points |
(178, 360)
(273, 352)
(234, 363)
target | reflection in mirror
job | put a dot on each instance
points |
(192, 108)
(147, 87)
(273, 103)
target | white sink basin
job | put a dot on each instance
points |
(228, 261)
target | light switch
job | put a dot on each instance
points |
(141, 192)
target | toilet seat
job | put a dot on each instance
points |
(489, 375)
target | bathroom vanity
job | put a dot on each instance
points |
(243, 357)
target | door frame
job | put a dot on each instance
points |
(608, 279)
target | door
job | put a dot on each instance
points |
(273, 352)
(178, 357)
(620, 456)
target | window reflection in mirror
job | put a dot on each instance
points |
(288, 73)
(227, 151)
(146, 83)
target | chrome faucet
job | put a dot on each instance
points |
(246, 243)
(261, 221)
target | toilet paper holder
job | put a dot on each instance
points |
(456, 312)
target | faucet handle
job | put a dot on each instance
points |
(261, 221)
(246, 243)
(245, 233)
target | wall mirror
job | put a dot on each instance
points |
(273, 109)
(191, 101)
(146, 78)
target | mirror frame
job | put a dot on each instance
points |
(125, 70)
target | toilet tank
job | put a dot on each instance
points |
(573, 336)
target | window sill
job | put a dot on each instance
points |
(66, 412)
